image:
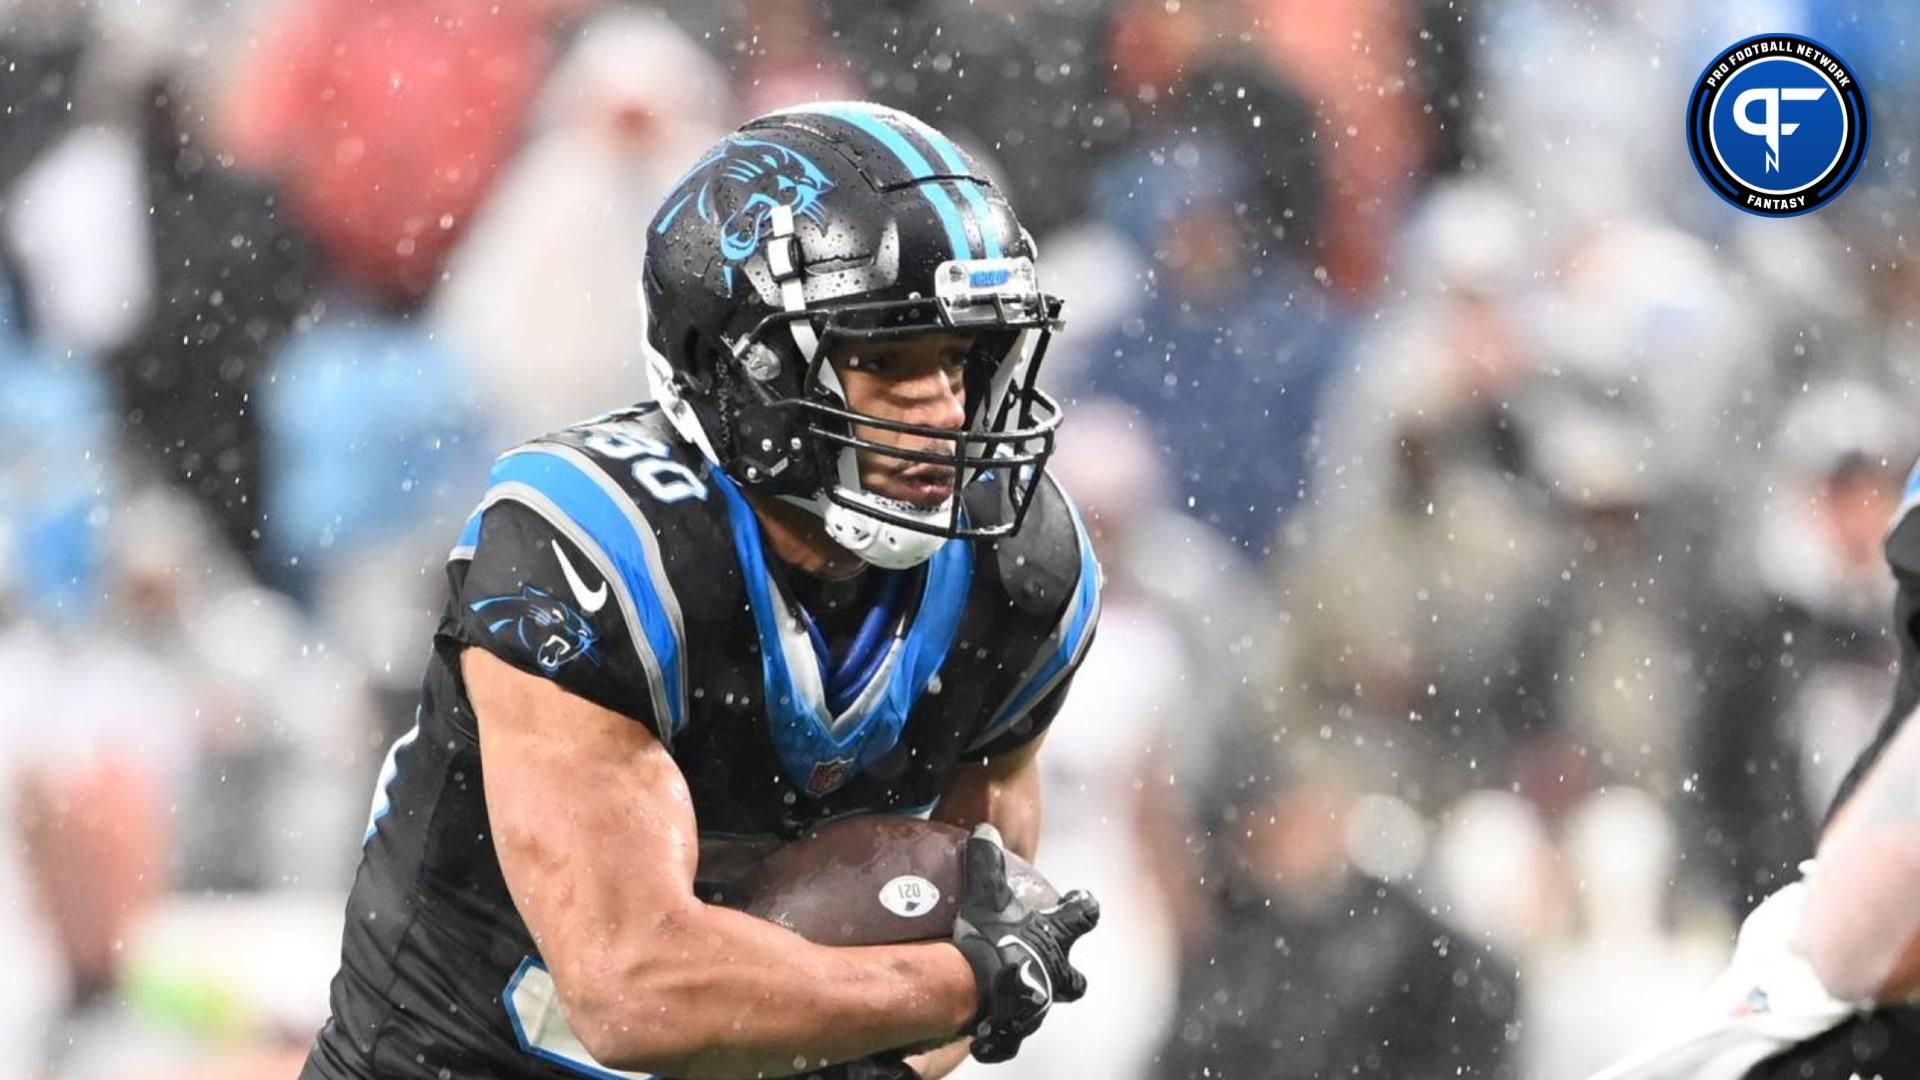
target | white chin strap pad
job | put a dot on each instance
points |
(882, 543)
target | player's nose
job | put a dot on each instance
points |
(936, 400)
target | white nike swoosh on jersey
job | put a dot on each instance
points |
(590, 601)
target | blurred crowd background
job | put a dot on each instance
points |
(1490, 515)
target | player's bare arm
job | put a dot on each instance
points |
(1861, 930)
(596, 836)
(1004, 791)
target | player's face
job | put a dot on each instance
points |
(917, 380)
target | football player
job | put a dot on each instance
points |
(823, 573)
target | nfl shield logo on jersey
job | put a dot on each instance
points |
(828, 775)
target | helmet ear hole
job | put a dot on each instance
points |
(701, 368)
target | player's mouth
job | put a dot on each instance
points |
(925, 486)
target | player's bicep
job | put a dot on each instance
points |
(591, 820)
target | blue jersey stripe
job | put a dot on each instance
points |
(917, 166)
(1072, 639)
(469, 537)
(803, 733)
(594, 514)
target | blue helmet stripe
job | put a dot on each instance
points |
(917, 166)
(982, 217)
(956, 164)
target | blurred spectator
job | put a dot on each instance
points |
(1181, 74)
(137, 248)
(541, 295)
(1441, 358)
(1607, 676)
(388, 123)
(229, 281)
(1316, 970)
(1629, 973)
(1645, 311)
(1410, 627)
(1411, 585)
(1801, 672)
(1354, 61)
(1016, 80)
(1224, 344)
(372, 426)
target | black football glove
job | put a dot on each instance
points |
(1018, 955)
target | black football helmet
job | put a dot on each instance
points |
(837, 221)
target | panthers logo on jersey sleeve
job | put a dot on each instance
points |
(542, 624)
(560, 572)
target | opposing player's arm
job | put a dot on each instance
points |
(596, 837)
(1860, 929)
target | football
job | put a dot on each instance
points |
(874, 879)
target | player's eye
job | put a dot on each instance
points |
(872, 363)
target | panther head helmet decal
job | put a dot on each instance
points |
(770, 175)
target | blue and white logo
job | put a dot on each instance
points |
(735, 189)
(1777, 125)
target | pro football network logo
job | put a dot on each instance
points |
(1777, 125)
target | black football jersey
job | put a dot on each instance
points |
(614, 560)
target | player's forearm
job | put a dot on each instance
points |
(718, 994)
(1860, 929)
(1004, 791)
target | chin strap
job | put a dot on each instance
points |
(667, 394)
(876, 542)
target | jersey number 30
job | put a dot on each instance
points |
(665, 479)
